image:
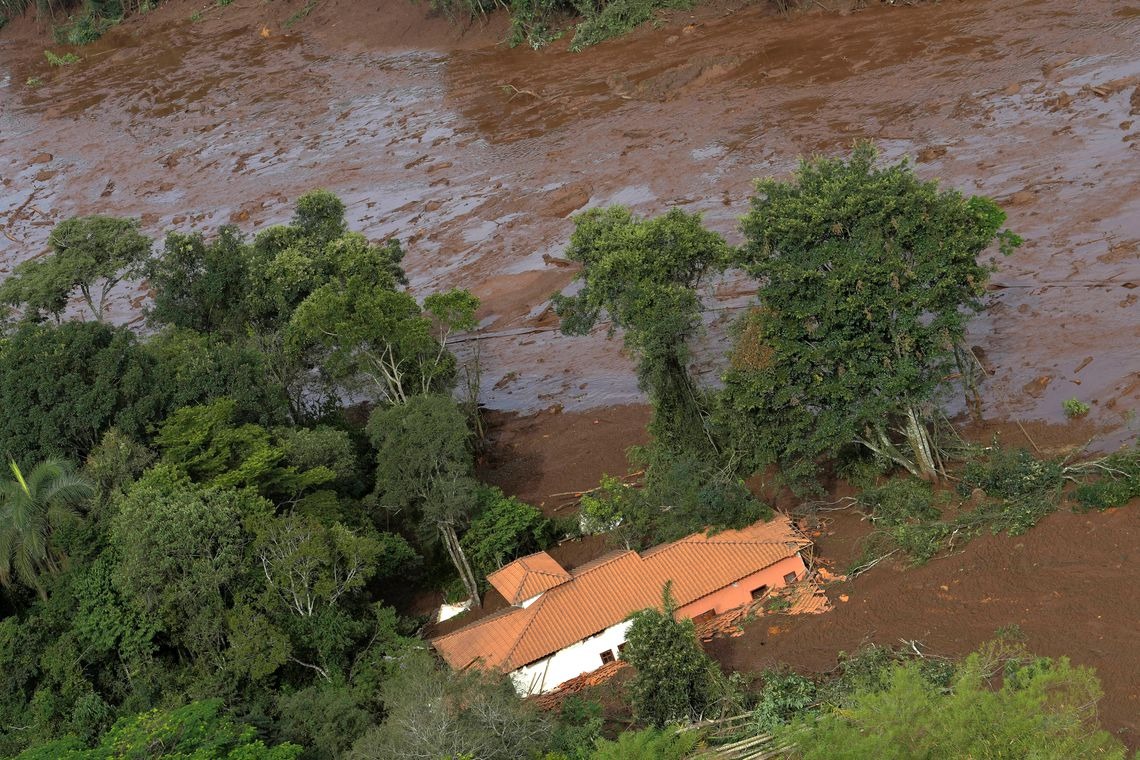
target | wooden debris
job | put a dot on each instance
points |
(553, 700)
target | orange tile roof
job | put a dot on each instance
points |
(528, 577)
(608, 591)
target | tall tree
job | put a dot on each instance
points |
(868, 277)
(423, 468)
(675, 680)
(434, 713)
(643, 274)
(32, 510)
(62, 387)
(91, 254)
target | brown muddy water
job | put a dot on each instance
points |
(476, 155)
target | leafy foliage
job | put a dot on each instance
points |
(205, 443)
(63, 387)
(648, 744)
(867, 279)
(675, 680)
(423, 468)
(197, 731)
(1117, 483)
(90, 254)
(505, 529)
(470, 714)
(33, 510)
(1043, 708)
(786, 695)
(606, 20)
(642, 274)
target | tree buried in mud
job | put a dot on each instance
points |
(868, 277)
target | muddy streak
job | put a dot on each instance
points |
(476, 157)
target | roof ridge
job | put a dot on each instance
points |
(498, 615)
(602, 562)
(518, 639)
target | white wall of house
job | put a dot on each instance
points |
(576, 659)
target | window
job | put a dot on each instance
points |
(706, 615)
(621, 649)
(790, 578)
(607, 656)
(759, 592)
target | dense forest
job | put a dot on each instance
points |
(207, 525)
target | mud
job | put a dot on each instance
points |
(476, 154)
(1066, 584)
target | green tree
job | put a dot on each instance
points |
(197, 731)
(91, 254)
(197, 368)
(200, 285)
(309, 566)
(868, 277)
(675, 679)
(424, 463)
(62, 388)
(433, 713)
(180, 549)
(206, 443)
(648, 744)
(1043, 708)
(643, 274)
(32, 511)
(505, 529)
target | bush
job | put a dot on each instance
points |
(605, 20)
(1011, 474)
(900, 501)
(1075, 408)
(786, 695)
(1119, 482)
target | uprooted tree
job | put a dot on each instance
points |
(867, 279)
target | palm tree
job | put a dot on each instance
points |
(31, 510)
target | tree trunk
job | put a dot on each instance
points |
(919, 439)
(459, 559)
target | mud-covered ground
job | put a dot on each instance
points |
(476, 156)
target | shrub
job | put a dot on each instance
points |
(1075, 408)
(786, 695)
(1011, 474)
(605, 20)
(900, 501)
(1119, 482)
(60, 60)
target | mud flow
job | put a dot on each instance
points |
(476, 155)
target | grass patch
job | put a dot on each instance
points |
(611, 19)
(60, 60)
(301, 14)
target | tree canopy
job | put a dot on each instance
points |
(867, 277)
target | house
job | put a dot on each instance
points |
(565, 623)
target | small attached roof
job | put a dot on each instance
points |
(528, 577)
(607, 591)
